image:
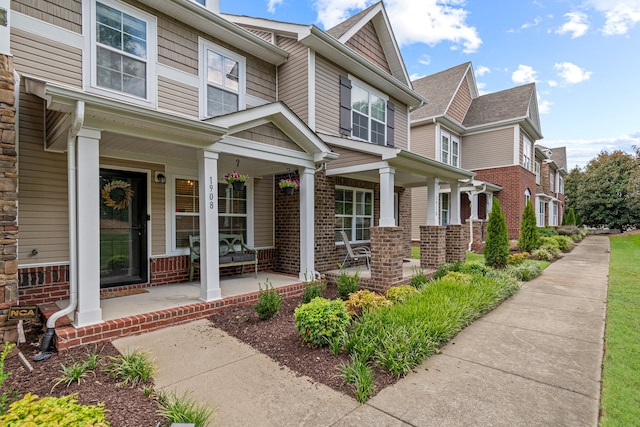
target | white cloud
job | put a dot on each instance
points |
(481, 88)
(413, 21)
(544, 107)
(524, 74)
(571, 73)
(271, 7)
(534, 23)
(581, 151)
(416, 76)
(552, 83)
(425, 60)
(482, 70)
(620, 15)
(577, 24)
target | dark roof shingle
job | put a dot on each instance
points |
(499, 106)
(439, 89)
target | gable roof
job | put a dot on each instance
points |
(507, 105)
(340, 29)
(439, 88)
(559, 155)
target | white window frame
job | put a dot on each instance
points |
(89, 61)
(172, 200)
(451, 159)
(362, 85)
(247, 215)
(552, 182)
(354, 216)
(204, 46)
(540, 212)
(553, 217)
(560, 184)
(537, 170)
(445, 208)
(526, 152)
(527, 196)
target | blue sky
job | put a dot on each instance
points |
(584, 55)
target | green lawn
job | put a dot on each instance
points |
(620, 404)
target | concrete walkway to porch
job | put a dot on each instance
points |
(533, 361)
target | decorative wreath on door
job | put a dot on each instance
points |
(117, 194)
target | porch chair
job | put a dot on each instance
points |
(194, 255)
(354, 254)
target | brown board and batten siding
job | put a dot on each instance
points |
(263, 211)
(45, 58)
(488, 149)
(423, 140)
(367, 44)
(66, 14)
(460, 103)
(268, 134)
(178, 97)
(418, 211)
(44, 213)
(157, 209)
(293, 80)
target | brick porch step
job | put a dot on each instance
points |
(47, 310)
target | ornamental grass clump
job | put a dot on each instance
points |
(360, 374)
(269, 301)
(133, 368)
(525, 271)
(185, 410)
(320, 321)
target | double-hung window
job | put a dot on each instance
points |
(526, 153)
(537, 170)
(560, 185)
(552, 182)
(449, 149)
(223, 80)
(123, 52)
(354, 213)
(187, 211)
(444, 208)
(232, 210)
(541, 213)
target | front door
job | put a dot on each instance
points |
(123, 228)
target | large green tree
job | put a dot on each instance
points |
(607, 192)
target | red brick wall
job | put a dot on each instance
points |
(514, 181)
(287, 229)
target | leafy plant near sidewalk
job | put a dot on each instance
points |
(347, 284)
(6, 395)
(183, 409)
(53, 411)
(418, 278)
(621, 365)
(320, 320)
(269, 301)
(360, 374)
(74, 373)
(313, 288)
(133, 368)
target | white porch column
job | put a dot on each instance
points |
(88, 311)
(209, 245)
(433, 191)
(474, 204)
(489, 204)
(387, 215)
(307, 224)
(454, 215)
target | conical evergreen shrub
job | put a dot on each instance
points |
(528, 240)
(496, 249)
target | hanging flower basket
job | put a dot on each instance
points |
(236, 179)
(117, 194)
(289, 185)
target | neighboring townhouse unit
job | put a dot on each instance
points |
(133, 112)
(550, 169)
(491, 135)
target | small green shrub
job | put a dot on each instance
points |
(399, 294)
(549, 242)
(547, 232)
(320, 320)
(565, 243)
(457, 276)
(364, 300)
(269, 301)
(347, 284)
(8, 394)
(496, 248)
(525, 271)
(544, 253)
(418, 278)
(183, 409)
(517, 258)
(360, 374)
(313, 288)
(528, 239)
(446, 268)
(73, 373)
(474, 268)
(133, 368)
(53, 411)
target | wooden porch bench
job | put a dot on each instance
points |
(233, 252)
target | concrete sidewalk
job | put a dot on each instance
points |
(534, 360)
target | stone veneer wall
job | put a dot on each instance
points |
(8, 200)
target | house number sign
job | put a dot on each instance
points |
(211, 196)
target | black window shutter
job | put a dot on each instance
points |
(345, 106)
(391, 113)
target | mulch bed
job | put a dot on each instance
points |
(278, 339)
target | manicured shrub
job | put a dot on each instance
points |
(549, 242)
(544, 253)
(418, 278)
(496, 247)
(53, 411)
(547, 231)
(312, 289)
(320, 320)
(269, 301)
(446, 268)
(569, 218)
(525, 271)
(364, 300)
(475, 268)
(517, 258)
(398, 294)
(528, 229)
(565, 243)
(457, 276)
(347, 284)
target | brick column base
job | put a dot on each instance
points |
(433, 246)
(387, 253)
(479, 234)
(456, 249)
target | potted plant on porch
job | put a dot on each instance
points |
(236, 179)
(289, 185)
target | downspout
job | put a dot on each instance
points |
(77, 120)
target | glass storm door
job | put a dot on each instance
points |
(123, 228)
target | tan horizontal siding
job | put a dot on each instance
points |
(157, 210)
(418, 211)
(270, 135)
(261, 79)
(178, 97)
(62, 13)
(42, 192)
(401, 125)
(328, 97)
(263, 211)
(41, 57)
(350, 158)
(423, 140)
(367, 44)
(461, 102)
(264, 35)
(489, 149)
(293, 86)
